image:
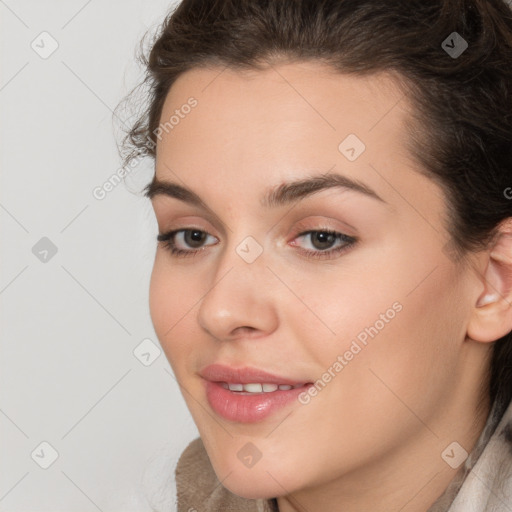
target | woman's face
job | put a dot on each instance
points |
(313, 253)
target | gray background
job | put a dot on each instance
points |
(70, 322)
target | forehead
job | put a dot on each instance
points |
(249, 127)
(281, 95)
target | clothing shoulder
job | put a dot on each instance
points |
(488, 486)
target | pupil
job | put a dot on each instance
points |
(325, 240)
(194, 238)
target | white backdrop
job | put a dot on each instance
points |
(74, 270)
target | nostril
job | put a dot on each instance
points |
(245, 331)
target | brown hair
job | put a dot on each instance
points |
(461, 131)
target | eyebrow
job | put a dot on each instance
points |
(283, 194)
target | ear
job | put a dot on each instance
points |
(491, 318)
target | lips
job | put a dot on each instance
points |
(221, 373)
(247, 395)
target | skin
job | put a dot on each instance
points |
(372, 438)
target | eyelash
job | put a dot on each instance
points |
(349, 241)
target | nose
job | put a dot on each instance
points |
(239, 301)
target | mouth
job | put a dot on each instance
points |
(249, 395)
(257, 388)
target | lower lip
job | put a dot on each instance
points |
(248, 408)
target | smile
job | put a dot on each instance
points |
(249, 395)
(258, 388)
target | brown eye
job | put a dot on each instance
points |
(324, 243)
(194, 238)
(185, 242)
(322, 239)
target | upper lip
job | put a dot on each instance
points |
(245, 375)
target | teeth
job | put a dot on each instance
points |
(258, 388)
(253, 388)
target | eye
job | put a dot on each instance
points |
(325, 243)
(184, 242)
(321, 243)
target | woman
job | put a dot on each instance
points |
(333, 279)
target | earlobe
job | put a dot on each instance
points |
(491, 318)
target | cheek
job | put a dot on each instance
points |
(402, 361)
(402, 315)
(172, 297)
(160, 300)
(404, 347)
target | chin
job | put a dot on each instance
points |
(252, 487)
(263, 481)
